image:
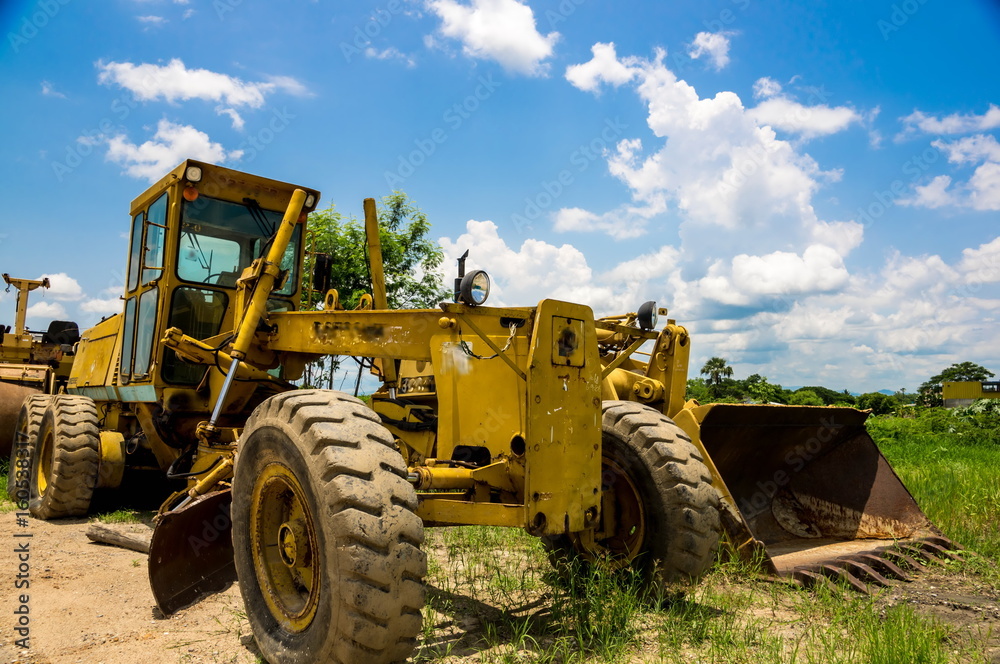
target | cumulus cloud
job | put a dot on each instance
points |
(604, 67)
(980, 192)
(46, 310)
(956, 123)
(499, 30)
(62, 287)
(765, 87)
(806, 121)
(174, 82)
(171, 144)
(101, 306)
(713, 45)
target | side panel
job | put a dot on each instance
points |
(563, 481)
(96, 357)
(480, 401)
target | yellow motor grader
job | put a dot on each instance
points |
(542, 418)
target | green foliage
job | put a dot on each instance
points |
(930, 391)
(805, 397)
(878, 403)
(697, 388)
(758, 389)
(828, 396)
(717, 369)
(411, 260)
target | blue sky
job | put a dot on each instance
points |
(812, 188)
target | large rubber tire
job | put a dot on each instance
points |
(665, 508)
(325, 535)
(29, 421)
(67, 458)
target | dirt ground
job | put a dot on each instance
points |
(91, 603)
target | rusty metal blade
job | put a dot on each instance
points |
(191, 552)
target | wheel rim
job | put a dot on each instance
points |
(45, 452)
(284, 547)
(622, 529)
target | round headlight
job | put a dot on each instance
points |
(310, 200)
(475, 288)
(193, 174)
(647, 315)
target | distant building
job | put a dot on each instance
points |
(963, 393)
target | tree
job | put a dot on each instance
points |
(930, 391)
(757, 388)
(878, 403)
(411, 263)
(805, 397)
(411, 260)
(829, 396)
(716, 369)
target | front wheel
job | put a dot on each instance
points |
(659, 511)
(29, 421)
(325, 535)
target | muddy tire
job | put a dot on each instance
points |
(665, 510)
(29, 421)
(325, 535)
(66, 459)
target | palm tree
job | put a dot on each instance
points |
(716, 369)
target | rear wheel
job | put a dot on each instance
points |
(326, 541)
(66, 459)
(659, 511)
(29, 421)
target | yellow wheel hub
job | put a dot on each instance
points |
(622, 527)
(45, 452)
(283, 539)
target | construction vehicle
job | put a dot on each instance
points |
(30, 362)
(541, 418)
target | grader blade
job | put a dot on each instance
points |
(814, 490)
(191, 552)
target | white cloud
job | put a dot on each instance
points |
(47, 310)
(62, 287)
(235, 117)
(982, 264)
(715, 45)
(391, 53)
(956, 123)
(151, 20)
(171, 144)
(50, 91)
(500, 30)
(807, 121)
(980, 192)
(103, 307)
(628, 221)
(604, 67)
(174, 82)
(971, 149)
(765, 87)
